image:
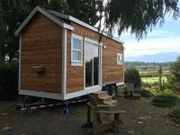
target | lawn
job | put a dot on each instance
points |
(141, 118)
(153, 79)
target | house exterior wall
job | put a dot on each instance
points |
(111, 71)
(41, 45)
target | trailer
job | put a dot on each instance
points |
(61, 58)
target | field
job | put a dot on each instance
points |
(153, 79)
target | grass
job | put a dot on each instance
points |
(152, 79)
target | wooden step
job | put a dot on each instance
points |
(111, 102)
(103, 99)
(99, 94)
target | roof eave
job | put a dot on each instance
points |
(73, 19)
(36, 9)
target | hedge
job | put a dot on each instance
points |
(165, 100)
(8, 80)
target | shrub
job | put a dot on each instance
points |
(9, 80)
(146, 84)
(168, 91)
(175, 115)
(132, 75)
(144, 93)
(174, 76)
(121, 89)
(165, 100)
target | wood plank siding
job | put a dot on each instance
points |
(41, 45)
(111, 72)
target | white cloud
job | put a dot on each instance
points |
(152, 46)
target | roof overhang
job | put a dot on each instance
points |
(49, 15)
(73, 19)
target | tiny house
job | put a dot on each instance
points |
(60, 57)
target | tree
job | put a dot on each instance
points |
(160, 77)
(13, 13)
(174, 76)
(138, 16)
(132, 75)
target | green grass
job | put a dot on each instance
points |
(152, 79)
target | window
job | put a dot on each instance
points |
(119, 58)
(76, 50)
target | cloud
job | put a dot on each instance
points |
(152, 46)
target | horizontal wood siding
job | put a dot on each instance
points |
(111, 72)
(41, 46)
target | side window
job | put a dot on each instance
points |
(119, 58)
(76, 50)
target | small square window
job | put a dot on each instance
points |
(119, 58)
(76, 50)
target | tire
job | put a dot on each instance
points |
(113, 91)
(107, 88)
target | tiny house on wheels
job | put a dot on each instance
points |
(60, 57)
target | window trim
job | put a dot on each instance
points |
(76, 62)
(119, 62)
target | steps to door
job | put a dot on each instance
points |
(103, 98)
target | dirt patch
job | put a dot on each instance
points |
(141, 119)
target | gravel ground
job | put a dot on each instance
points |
(141, 119)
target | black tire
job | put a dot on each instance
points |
(113, 91)
(106, 88)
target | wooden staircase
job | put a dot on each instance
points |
(103, 98)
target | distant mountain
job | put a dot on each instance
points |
(159, 57)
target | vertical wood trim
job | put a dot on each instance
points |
(64, 60)
(19, 81)
(100, 63)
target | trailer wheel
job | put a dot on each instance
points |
(113, 91)
(107, 88)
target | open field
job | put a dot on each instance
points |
(50, 121)
(153, 79)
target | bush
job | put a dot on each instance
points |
(144, 93)
(175, 115)
(168, 91)
(146, 84)
(8, 81)
(121, 89)
(132, 75)
(174, 76)
(165, 100)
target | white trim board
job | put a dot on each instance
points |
(64, 60)
(41, 94)
(58, 21)
(119, 83)
(99, 45)
(58, 96)
(63, 96)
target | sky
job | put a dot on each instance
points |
(161, 39)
